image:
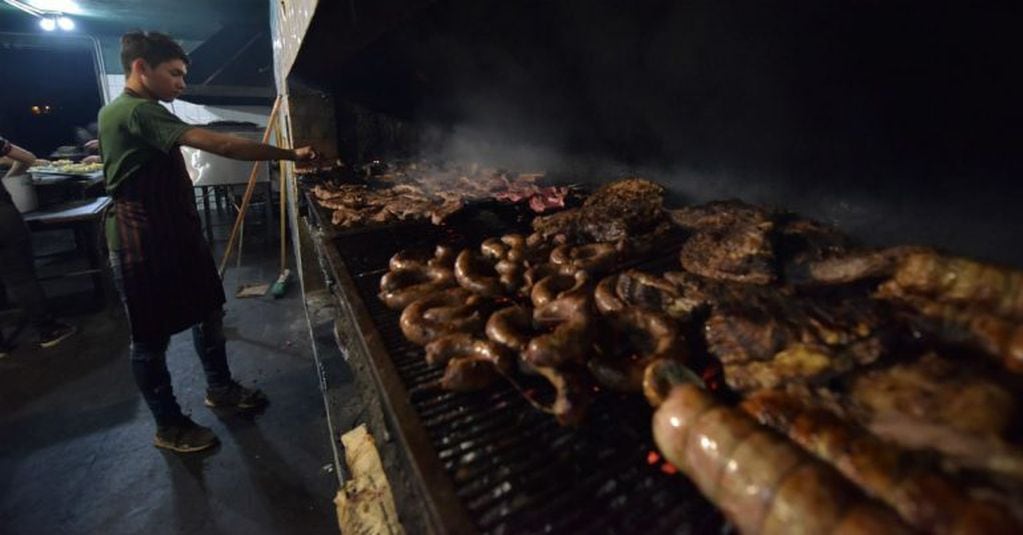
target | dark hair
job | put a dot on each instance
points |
(153, 47)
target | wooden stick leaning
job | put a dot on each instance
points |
(283, 197)
(249, 188)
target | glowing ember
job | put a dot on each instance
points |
(669, 469)
(712, 377)
(652, 457)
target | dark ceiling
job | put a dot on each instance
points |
(186, 19)
(190, 21)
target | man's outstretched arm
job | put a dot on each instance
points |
(239, 148)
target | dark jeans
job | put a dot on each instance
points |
(149, 360)
(17, 267)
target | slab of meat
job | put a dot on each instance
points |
(763, 482)
(768, 337)
(847, 267)
(938, 391)
(802, 240)
(731, 241)
(616, 211)
(963, 282)
(993, 335)
(937, 405)
(357, 204)
(739, 254)
(720, 215)
(546, 199)
(917, 489)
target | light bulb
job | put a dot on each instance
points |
(47, 24)
(66, 24)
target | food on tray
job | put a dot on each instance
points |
(68, 167)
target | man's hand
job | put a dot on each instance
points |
(92, 144)
(305, 154)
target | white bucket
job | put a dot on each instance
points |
(22, 191)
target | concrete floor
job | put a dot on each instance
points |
(76, 452)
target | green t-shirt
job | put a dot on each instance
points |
(132, 131)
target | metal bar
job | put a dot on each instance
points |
(445, 509)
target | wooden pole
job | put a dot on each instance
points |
(283, 197)
(248, 190)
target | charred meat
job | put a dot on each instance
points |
(617, 211)
(923, 496)
(767, 338)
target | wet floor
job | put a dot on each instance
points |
(76, 452)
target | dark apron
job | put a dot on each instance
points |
(170, 281)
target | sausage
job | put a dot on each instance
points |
(461, 345)
(594, 258)
(442, 256)
(470, 363)
(443, 312)
(762, 482)
(556, 286)
(468, 374)
(570, 342)
(476, 273)
(572, 317)
(573, 394)
(638, 338)
(511, 327)
(606, 295)
(401, 287)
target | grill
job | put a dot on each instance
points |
(506, 467)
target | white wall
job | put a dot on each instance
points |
(199, 114)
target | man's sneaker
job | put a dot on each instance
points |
(185, 436)
(54, 333)
(235, 395)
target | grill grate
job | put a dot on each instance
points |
(514, 468)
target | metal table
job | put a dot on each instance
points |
(85, 219)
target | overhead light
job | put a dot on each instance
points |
(66, 23)
(63, 6)
(47, 24)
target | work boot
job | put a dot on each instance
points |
(236, 396)
(54, 332)
(185, 436)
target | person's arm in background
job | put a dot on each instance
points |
(239, 148)
(22, 158)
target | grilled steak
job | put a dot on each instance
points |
(806, 240)
(937, 391)
(768, 337)
(720, 215)
(740, 254)
(731, 241)
(963, 282)
(616, 211)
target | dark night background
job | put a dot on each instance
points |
(63, 79)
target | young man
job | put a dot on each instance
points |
(161, 263)
(18, 267)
